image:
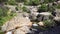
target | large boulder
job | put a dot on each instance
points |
(25, 14)
(32, 8)
(22, 30)
(57, 12)
(41, 23)
(33, 15)
(43, 16)
(18, 21)
(58, 2)
(57, 18)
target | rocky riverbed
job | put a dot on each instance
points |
(33, 20)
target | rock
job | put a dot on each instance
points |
(57, 12)
(35, 24)
(9, 26)
(57, 18)
(35, 13)
(18, 21)
(22, 30)
(25, 22)
(41, 1)
(18, 31)
(32, 17)
(50, 4)
(55, 3)
(45, 13)
(39, 17)
(25, 14)
(20, 4)
(41, 23)
(43, 16)
(58, 2)
(10, 32)
(11, 7)
(32, 8)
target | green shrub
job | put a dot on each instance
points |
(3, 12)
(27, 2)
(31, 2)
(49, 1)
(4, 16)
(58, 6)
(36, 2)
(25, 9)
(49, 23)
(1, 32)
(51, 9)
(19, 0)
(43, 8)
(11, 2)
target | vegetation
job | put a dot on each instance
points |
(25, 9)
(49, 1)
(31, 2)
(58, 6)
(4, 16)
(11, 2)
(49, 23)
(43, 8)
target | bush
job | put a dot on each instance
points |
(31, 2)
(58, 6)
(27, 2)
(49, 23)
(51, 9)
(19, 0)
(49, 1)
(4, 16)
(11, 2)
(3, 12)
(43, 8)
(25, 9)
(1, 32)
